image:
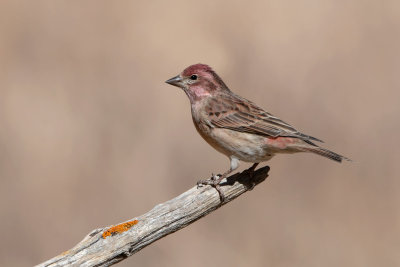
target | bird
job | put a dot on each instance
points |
(237, 127)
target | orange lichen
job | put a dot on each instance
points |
(119, 228)
(65, 252)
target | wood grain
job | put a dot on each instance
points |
(109, 245)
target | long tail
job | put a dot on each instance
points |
(325, 153)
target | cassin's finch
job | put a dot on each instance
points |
(237, 127)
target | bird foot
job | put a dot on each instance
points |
(214, 182)
(211, 181)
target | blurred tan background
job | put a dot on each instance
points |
(90, 135)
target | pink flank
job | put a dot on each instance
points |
(280, 142)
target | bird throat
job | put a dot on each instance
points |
(196, 93)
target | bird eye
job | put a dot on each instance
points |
(193, 77)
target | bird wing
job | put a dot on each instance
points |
(233, 112)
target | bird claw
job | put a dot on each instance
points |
(201, 183)
(215, 177)
(213, 181)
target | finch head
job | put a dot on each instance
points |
(198, 81)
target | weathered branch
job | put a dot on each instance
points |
(107, 246)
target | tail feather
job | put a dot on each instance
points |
(326, 153)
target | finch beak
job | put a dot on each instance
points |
(175, 81)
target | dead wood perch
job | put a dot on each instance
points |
(109, 245)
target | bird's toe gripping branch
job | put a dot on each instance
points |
(214, 181)
(247, 177)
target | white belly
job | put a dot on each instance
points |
(244, 146)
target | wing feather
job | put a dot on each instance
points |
(233, 112)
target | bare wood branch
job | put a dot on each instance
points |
(109, 245)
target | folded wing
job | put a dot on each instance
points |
(239, 114)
